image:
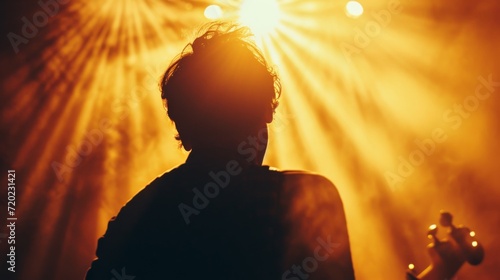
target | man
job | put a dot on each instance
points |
(222, 215)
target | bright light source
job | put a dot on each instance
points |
(261, 16)
(213, 12)
(474, 243)
(472, 234)
(353, 9)
(411, 266)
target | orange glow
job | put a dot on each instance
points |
(391, 115)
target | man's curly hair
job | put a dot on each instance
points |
(220, 84)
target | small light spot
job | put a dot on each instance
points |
(213, 12)
(354, 9)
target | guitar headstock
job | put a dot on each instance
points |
(448, 254)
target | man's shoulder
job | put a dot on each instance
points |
(301, 181)
(305, 176)
(155, 188)
(166, 178)
(167, 175)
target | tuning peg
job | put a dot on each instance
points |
(465, 238)
(446, 219)
(449, 254)
(431, 234)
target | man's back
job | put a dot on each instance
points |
(255, 224)
(222, 215)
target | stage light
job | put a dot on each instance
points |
(213, 12)
(354, 9)
(261, 16)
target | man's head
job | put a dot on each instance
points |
(220, 90)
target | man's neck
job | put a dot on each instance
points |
(221, 157)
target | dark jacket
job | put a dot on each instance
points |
(228, 222)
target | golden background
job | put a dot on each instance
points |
(82, 121)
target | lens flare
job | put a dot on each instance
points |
(213, 12)
(261, 16)
(354, 9)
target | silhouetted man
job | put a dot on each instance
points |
(221, 214)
